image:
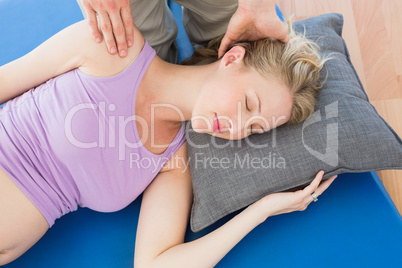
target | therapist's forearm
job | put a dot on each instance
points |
(208, 250)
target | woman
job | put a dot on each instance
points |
(78, 138)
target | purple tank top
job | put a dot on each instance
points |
(73, 141)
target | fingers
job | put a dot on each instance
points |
(324, 185)
(115, 22)
(282, 32)
(127, 19)
(106, 28)
(119, 33)
(93, 23)
(225, 43)
(316, 187)
(314, 184)
(285, 39)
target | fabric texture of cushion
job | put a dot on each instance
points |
(345, 134)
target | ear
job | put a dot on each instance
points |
(234, 55)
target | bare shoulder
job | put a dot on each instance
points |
(179, 160)
(98, 61)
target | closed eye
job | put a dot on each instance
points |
(261, 130)
(247, 105)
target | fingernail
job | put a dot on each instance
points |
(98, 39)
(113, 49)
(123, 53)
(129, 43)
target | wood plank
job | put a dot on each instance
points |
(392, 180)
(375, 45)
(393, 22)
(391, 110)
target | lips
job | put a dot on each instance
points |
(216, 125)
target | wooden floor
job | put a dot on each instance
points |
(373, 33)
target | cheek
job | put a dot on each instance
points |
(211, 96)
(216, 96)
(204, 108)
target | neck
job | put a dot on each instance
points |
(173, 89)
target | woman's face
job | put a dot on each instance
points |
(243, 101)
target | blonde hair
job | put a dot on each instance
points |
(297, 63)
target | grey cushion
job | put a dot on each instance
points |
(345, 134)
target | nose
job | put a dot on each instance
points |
(235, 129)
(225, 124)
(233, 121)
(238, 128)
(230, 127)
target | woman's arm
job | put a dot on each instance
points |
(165, 212)
(162, 224)
(70, 48)
(58, 54)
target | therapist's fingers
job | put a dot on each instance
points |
(225, 43)
(128, 23)
(93, 23)
(119, 33)
(107, 30)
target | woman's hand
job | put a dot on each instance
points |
(253, 20)
(115, 22)
(285, 202)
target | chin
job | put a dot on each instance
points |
(199, 126)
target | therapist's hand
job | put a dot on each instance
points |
(253, 20)
(114, 19)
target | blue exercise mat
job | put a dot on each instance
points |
(354, 224)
